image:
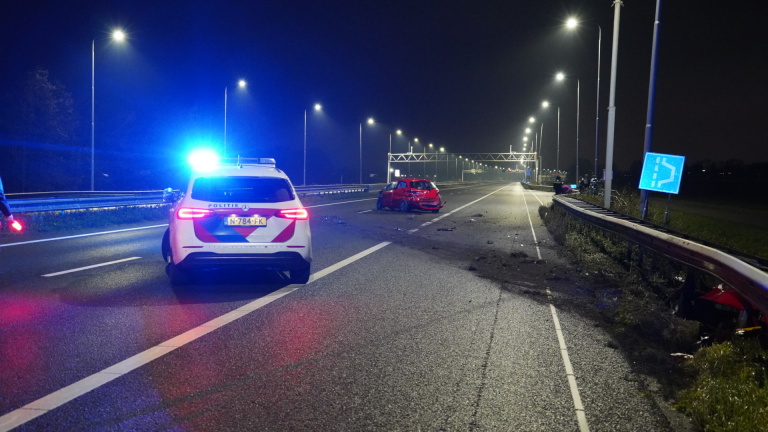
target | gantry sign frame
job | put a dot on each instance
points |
(475, 157)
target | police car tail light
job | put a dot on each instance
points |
(192, 213)
(299, 214)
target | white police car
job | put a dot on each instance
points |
(239, 215)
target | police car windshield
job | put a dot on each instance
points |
(242, 189)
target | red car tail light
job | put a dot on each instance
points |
(192, 213)
(298, 214)
(16, 225)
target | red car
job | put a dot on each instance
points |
(410, 193)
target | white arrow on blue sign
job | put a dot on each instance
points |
(662, 172)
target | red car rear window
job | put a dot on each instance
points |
(425, 185)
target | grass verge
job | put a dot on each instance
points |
(749, 239)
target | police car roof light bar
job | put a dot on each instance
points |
(241, 162)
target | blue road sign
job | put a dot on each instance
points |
(662, 172)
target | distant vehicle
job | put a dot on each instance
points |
(410, 194)
(238, 216)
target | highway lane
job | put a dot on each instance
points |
(429, 331)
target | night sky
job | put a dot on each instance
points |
(465, 75)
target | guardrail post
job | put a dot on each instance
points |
(687, 291)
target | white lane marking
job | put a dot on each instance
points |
(54, 400)
(90, 267)
(81, 235)
(365, 211)
(530, 222)
(452, 212)
(535, 196)
(581, 416)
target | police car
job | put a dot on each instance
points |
(238, 215)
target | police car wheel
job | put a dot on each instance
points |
(300, 276)
(166, 245)
(177, 275)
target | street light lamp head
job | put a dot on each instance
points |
(370, 120)
(442, 149)
(559, 76)
(118, 35)
(527, 130)
(430, 145)
(415, 140)
(318, 107)
(241, 83)
(571, 23)
(399, 132)
(531, 119)
(545, 104)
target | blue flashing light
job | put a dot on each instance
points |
(203, 160)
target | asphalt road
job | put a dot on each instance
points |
(411, 321)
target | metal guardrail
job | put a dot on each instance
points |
(743, 273)
(334, 189)
(59, 201)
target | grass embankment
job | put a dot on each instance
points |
(713, 228)
(724, 387)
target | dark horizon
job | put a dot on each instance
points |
(460, 75)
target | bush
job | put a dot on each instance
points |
(729, 392)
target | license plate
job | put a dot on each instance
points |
(245, 221)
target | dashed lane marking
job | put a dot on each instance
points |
(90, 267)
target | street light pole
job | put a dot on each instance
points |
(361, 154)
(241, 83)
(578, 91)
(597, 104)
(93, 111)
(612, 107)
(389, 156)
(370, 122)
(557, 162)
(304, 178)
(317, 107)
(119, 36)
(225, 121)
(647, 147)
(571, 24)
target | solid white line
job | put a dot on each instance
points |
(81, 235)
(535, 196)
(90, 267)
(581, 416)
(54, 400)
(452, 212)
(530, 222)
